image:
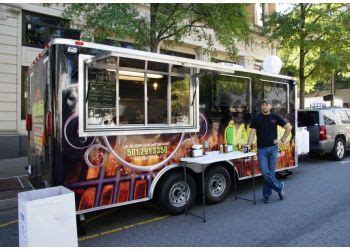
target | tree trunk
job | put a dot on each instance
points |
(155, 46)
(332, 88)
(302, 91)
(153, 42)
(302, 55)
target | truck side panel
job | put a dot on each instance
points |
(102, 178)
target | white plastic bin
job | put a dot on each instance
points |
(306, 141)
(302, 140)
(46, 217)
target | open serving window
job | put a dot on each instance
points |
(122, 95)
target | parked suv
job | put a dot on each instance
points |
(329, 130)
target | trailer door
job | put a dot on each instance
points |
(39, 138)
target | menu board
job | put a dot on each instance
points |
(101, 94)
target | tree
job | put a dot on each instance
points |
(314, 38)
(166, 23)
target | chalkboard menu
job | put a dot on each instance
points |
(101, 94)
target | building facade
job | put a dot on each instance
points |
(25, 29)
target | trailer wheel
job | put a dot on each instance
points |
(172, 191)
(217, 184)
(338, 151)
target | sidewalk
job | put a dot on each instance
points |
(13, 167)
(13, 179)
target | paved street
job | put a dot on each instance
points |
(316, 212)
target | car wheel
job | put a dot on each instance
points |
(217, 184)
(338, 152)
(172, 192)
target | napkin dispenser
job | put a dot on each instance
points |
(196, 150)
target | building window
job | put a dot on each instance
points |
(175, 53)
(216, 60)
(260, 13)
(40, 29)
(258, 64)
(24, 91)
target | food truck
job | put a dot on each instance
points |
(111, 124)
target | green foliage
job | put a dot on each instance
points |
(167, 23)
(315, 40)
(100, 21)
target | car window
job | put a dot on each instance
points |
(331, 116)
(308, 118)
(328, 120)
(345, 116)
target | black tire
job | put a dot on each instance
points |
(217, 184)
(170, 193)
(338, 152)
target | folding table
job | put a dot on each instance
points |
(213, 157)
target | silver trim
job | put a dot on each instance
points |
(166, 58)
(145, 96)
(259, 174)
(137, 132)
(159, 176)
(263, 80)
(117, 95)
(169, 96)
(81, 85)
(111, 206)
(145, 128)
(295, 89)
(250, 96)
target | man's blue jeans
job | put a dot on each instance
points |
(267, 158)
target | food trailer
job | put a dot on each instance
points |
(112, 124)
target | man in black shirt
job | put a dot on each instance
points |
(265, 127)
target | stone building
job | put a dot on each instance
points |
(24, 30)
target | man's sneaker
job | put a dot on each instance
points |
(281, 193)
(266, 200)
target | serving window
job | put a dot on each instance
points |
(101, 105)
(231, 92)
(121, 95)
(277, 92)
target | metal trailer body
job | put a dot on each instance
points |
(101, 129)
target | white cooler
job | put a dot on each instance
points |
(302, 140)
(46, 217)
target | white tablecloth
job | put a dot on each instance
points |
(216, 157)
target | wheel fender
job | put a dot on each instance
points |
(159, 176)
